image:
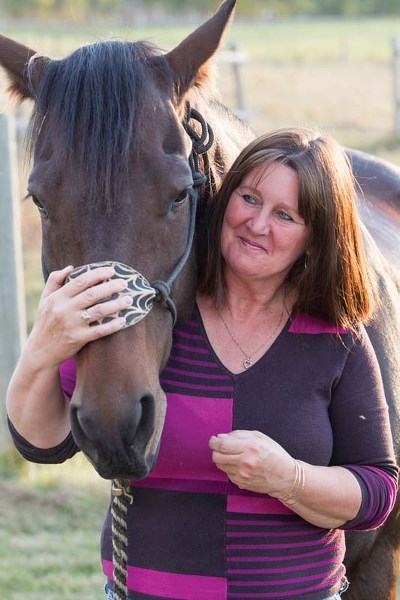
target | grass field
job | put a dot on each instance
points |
(330, 74)
(50, 523)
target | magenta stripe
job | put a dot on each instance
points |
(256, 558)
(195, 386)
(313, 325)
(279, 570)
(269, 533)
(303, 579)
(255, 547)
(194, 362)
(189, 335)
(172, 585)
(190, 374)
(191, 486)
(191, 349)
(261, 504)
(270, 522)
(326, 584)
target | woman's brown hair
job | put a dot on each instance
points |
(333, 281)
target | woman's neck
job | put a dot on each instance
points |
(244, 298)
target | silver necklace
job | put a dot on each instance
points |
(247, 361)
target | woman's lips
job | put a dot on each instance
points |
(252, 245)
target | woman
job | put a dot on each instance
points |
(286, 440)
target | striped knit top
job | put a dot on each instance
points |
(195, 535)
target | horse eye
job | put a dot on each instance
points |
(39, 205)
(181, 199)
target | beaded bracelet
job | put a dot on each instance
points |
(298, 484)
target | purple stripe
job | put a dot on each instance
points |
(279, 570)
(191, 486)
(191, 348)
(256, 558)
(303, 579)
(280, 534)
(192, 323)
(194, 362)
(256, 547)
(266, 521)
(195, 386)
(189, 335)
(219, 376)
(325, 585)
(382, 491)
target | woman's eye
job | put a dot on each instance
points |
(284, 215)
(249, 199)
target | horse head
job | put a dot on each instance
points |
(112, 180)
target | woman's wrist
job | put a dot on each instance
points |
(297, 487)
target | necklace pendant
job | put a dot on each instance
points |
(247, 362)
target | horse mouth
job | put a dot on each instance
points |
(128, 452)
(138, 468)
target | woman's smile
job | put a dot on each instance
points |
(251, 245)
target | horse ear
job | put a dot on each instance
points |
(15, 59)
(189, 59)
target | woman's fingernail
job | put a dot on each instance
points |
(128, 300)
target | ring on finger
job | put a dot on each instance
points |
(85, 315)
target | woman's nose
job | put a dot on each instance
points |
(260, 223)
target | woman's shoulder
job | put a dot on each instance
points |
(311, 325)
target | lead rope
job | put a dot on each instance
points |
(120, 490)
(122, 498)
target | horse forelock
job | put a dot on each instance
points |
(93, 102)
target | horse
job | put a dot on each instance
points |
(115, 131)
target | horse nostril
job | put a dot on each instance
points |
(145, 426)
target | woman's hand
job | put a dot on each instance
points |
(253, 461)
(328, 496)
(62, 327)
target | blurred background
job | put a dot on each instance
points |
(330, 64)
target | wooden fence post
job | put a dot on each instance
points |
(12, 297)
(396, 83)
(236, 59)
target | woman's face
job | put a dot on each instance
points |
(263, 233)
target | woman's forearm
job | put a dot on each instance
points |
(328, 497)
(36, 404)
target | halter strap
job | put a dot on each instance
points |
(201, 144)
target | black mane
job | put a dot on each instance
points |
(94, 97)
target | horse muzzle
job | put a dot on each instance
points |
(129, 448)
